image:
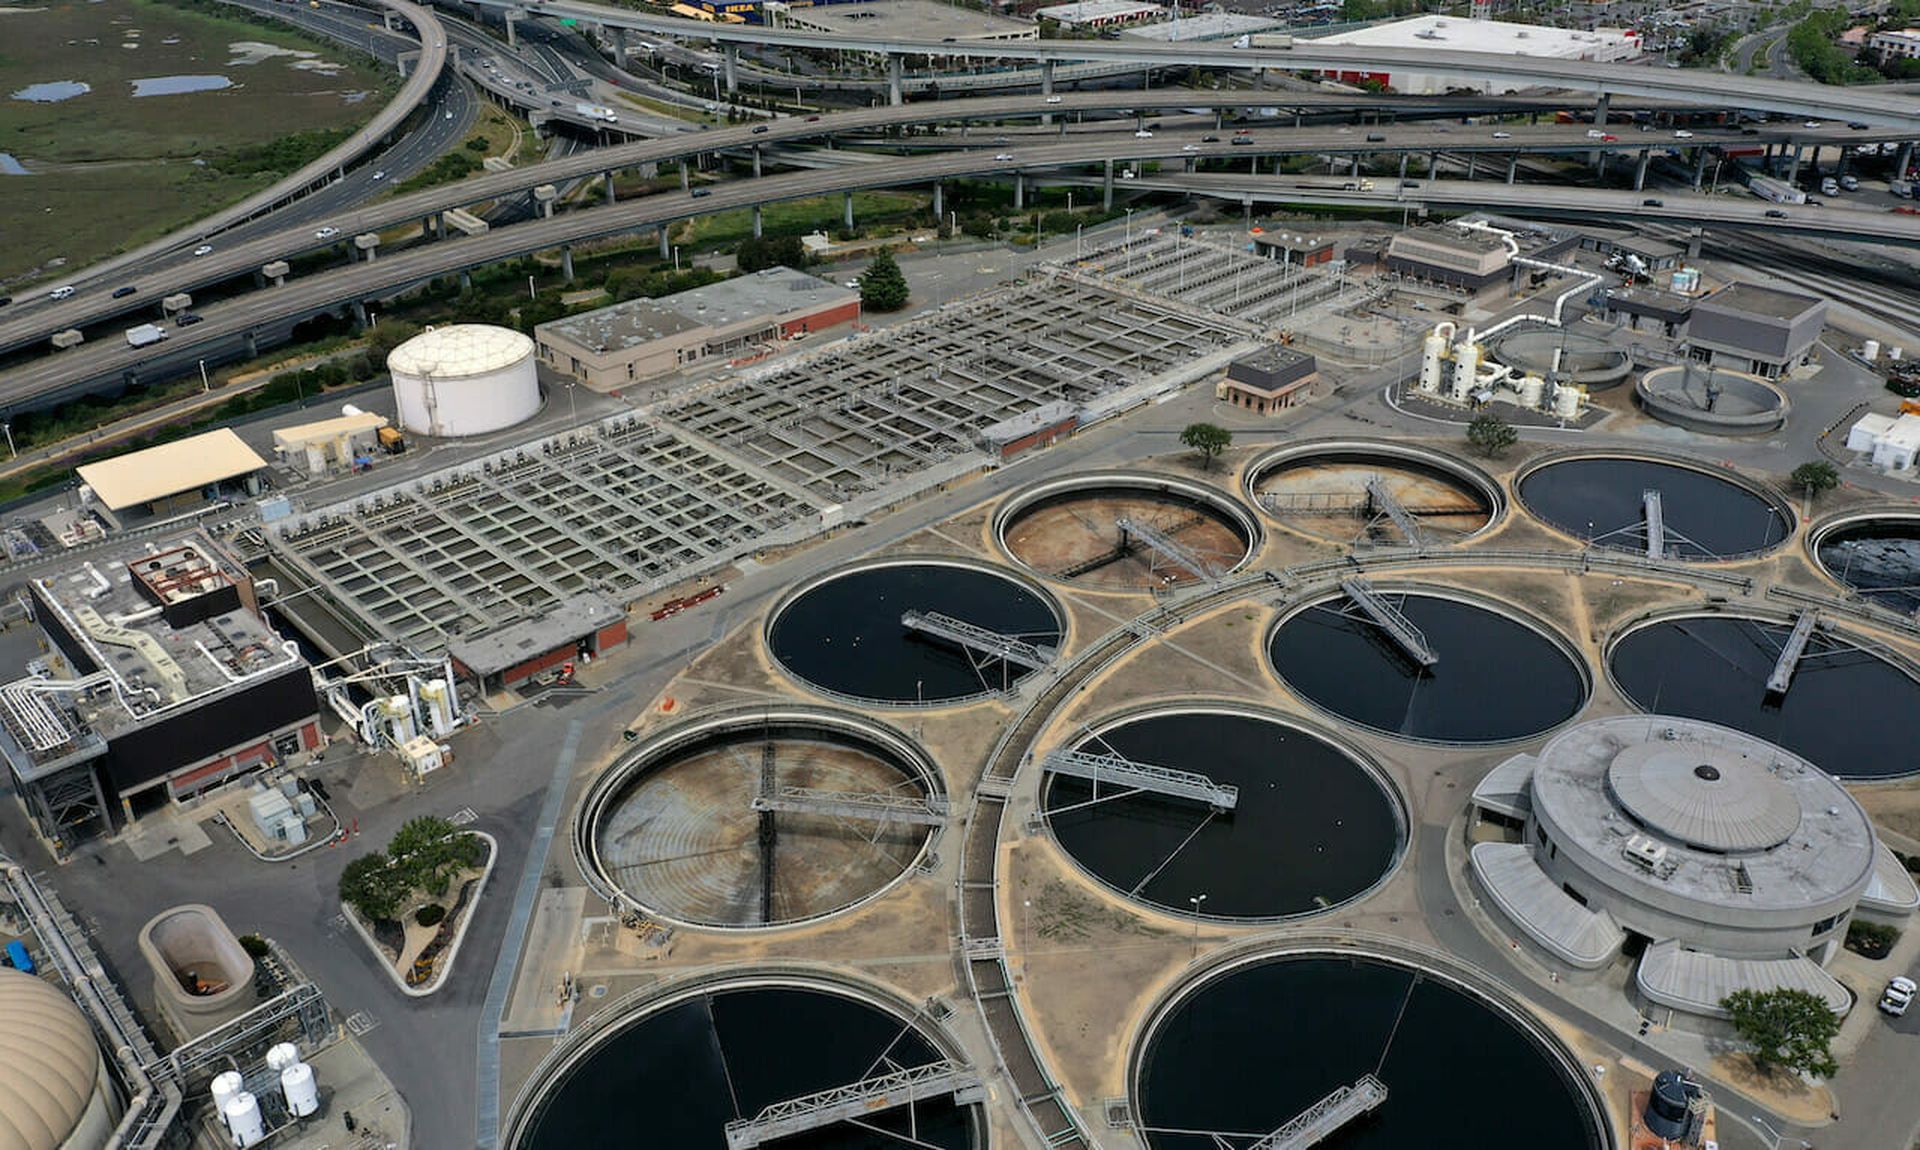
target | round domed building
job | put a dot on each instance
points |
(1722, 861)
(54, 1089)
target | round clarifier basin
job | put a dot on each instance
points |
(1240, 1053)
(1712, 400)
(1313, 826)
(674, 828)
(678, 1071)
(1586, 360)
(1704, 515)
(1496, 676)
(1322, 489)
(1842, 710)
(1069, 529)
(843, 633)
(1877, 555)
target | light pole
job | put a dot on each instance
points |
(1129, 241)
(1195, 902)
(1780, 1136)
(205, 387)
(12, 454)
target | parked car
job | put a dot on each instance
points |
(124, 292)
(1898, 995)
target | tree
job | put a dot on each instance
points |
(1208, 439)
(1788, 1029)
(1490, 435)
(426, 850)
(1816, 478)
(882, 286)
(372, 885)
(757, 253)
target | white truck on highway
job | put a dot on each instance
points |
(1779, 191)
(145, 335)
(597, 112)
(1901, 188)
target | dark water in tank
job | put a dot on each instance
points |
(1846, 710)
(1879, 560)
(1496, 678)
(1249, 1052)
(1312, 827)
(1705, 516)
(676, 1079)
(845, 635)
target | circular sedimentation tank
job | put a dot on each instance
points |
(1069, 529)
(1314, 825)
(1242, 1050)
(1321, 488)
(1706, 514)
(677, 1068)
(1712, 400)
(1875, 554)
(843, 633)
(673, 828)
(1497, 676)
(1586, 360)
(1842, 710)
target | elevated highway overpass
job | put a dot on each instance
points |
(257, 314)
(36, 320)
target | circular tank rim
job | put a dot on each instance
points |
(1396, 801)
(1897, 660)
(1667, 410)
(1238, 514)
(1479, 985)
(1485, 602)
(868, 734)
(1817, 532)
(1593, 379)
(1476, 480)
(636, 1006)
(963, 562)
(1758, 488)
(524, 348)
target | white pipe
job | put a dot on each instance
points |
(101, 584)
(136, 616)
(1513, 253)
(212, 658)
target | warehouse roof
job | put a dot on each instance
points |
(516, 643)
(183, 465)
(1501, 36)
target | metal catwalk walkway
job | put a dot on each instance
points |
(1389, 619)
(868, 1096)
(1656, 524)
(979, 640)
(1791, 652)
(882, 807)
(1324, 1117)
(1385, 503)
(1144, 777)
(1181, 555)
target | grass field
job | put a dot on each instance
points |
(796, 217)
(110, 169)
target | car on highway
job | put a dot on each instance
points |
(124, 292)
(64, 291)
(1898, 995)
(326, 233)
(203, 250)
(758, 129)
(1243, 139)
(1143, 134)
(1189, 147)
(1209, 139)
(1609, 138)
(1776, 214)
(380, 175)
(812, 119)
(187, 319)
(1653, 203)
(1003, 157)
(1813, 123)
(1053, 99)
(1683, 134)
(5, 300)
(699, 192)
(1375, 138)
(1503, 135)
(1857, 125)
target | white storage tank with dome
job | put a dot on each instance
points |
(299, 1089)
(245, 1126)
(56, 1092)
(464, 379)
(227, 1086)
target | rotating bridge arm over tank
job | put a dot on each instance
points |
(1390, 620)
(1167, 781)
(1791, 652)
(857, 1100)
(1159, 542)
(1321, 1120)
(978, 640)
(921, 810)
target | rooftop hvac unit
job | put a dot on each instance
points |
(1645, 852)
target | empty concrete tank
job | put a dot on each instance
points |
(464, 379)
(201, 975)
(54, 1089)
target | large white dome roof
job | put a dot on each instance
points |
(49, 1064)
(461, 349)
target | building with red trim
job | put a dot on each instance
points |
(614, 347)
(579, 630)
(160, 679)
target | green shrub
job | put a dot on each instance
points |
(431, 914)
(1871, 939)
(254, 945)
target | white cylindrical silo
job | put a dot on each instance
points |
(1870, 350)
(1566, 402)
(1466, 368)
(300, 1090)
(1532, 389)
(439, 701)
(399, 712)
(465, 379)
(1433, 362)
(282, 1055)
(226, 1086)
(244, 1123)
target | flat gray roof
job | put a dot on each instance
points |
(760, 295)
(1764, 301)
(911, 20)
(508, 646)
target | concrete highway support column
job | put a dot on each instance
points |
(1640, 172)
(607, 177)
(1699, 167)
(1106, 190)
(251, 344)
(368, 242)
(1600, 108)
(1404, 157)
(276, 271)
(685, 181)
(510, 16)
(1019, 191)
(1793, 169)
(896, 82)
(848, 204)
(359, 313)
(1513, 167)
(1903, 161)
(666, 243)
(566, 262)
(1693, 242)
(1046, 89)
(1600, 164)
(1433, 165)
(938, 207)
(545, 195)
(1473, 165)
(731, 65)
(756, 161)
